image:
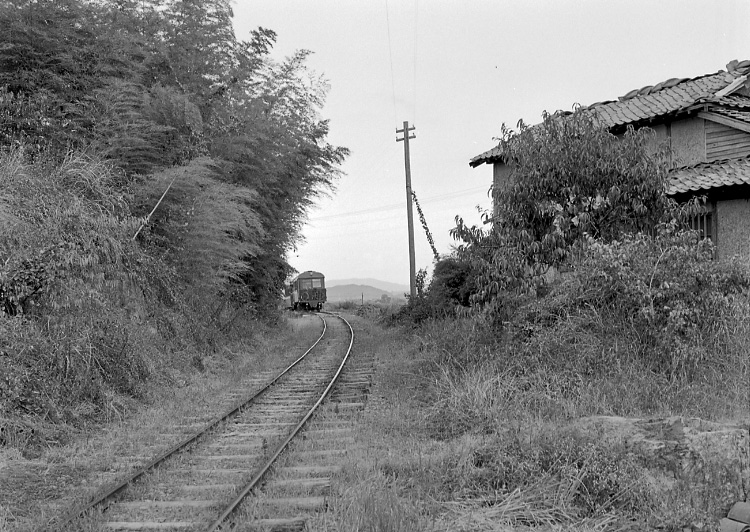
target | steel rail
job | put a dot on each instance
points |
(113, 490)
(253, 483)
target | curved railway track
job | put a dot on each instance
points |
(201, 483)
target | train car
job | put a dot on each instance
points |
(307, 291)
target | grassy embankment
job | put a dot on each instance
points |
(472, 429)
(91, 322)
(96, 327)
(34, 490)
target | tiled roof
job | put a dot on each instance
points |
(662, 99)
(665, 98)
(490, 155)
(487, 157)
(733, 100)
(705, 176)
(744, 116)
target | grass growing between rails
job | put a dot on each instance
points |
(471, 430)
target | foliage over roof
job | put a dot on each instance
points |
(716, 92)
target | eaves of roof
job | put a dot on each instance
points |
(705, 176)
(495, 154)
(732, 114)
(734, 100)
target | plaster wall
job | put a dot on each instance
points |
(500, 179)
(500, 175)
(688, 141)
(733, 228)
(660, 138)
(660, 133)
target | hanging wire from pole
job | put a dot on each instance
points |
(416, 43)
(148, 218)
(390, 57)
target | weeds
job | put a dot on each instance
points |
(373, 504)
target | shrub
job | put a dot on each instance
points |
(569, 180)
(668, 290)
(448, 291)
(451, 286)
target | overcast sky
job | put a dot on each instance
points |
(457, 70)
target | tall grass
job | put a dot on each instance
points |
(373, 504)
(447, 446)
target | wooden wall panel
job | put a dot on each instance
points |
(688, 141)
(725, 142)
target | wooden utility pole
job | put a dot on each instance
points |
(409, 215)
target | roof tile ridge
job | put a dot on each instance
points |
(736, 84)
(714, 163)
(636, 93)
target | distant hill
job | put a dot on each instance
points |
(354, 292)
(398, 289)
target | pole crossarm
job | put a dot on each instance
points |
(401, 139)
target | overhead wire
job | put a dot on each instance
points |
(414, 62)
(380, 221)
(393, 206)
(416, 45)
(368, 232)
(390, 56)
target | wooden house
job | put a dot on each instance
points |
(706, 122)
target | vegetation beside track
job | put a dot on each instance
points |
(154, 171)
(35, 489)
(585, 302)
(468, 430)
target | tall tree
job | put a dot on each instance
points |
(153, 83)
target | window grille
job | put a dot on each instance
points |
(703, 223)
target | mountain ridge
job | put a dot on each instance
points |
(385, 286)
(355, 292)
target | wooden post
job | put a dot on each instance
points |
(409, 215)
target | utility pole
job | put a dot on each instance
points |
(409, 215)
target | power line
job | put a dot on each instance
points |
(390, 56)
(393, 206)
(416, 42)
(381, 229)
(369, 214)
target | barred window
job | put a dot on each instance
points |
(703, 223)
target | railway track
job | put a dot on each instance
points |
(204, 482)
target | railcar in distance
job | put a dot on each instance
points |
(307, 291)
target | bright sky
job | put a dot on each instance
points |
(458, 69)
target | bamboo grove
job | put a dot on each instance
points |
(103, 105)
